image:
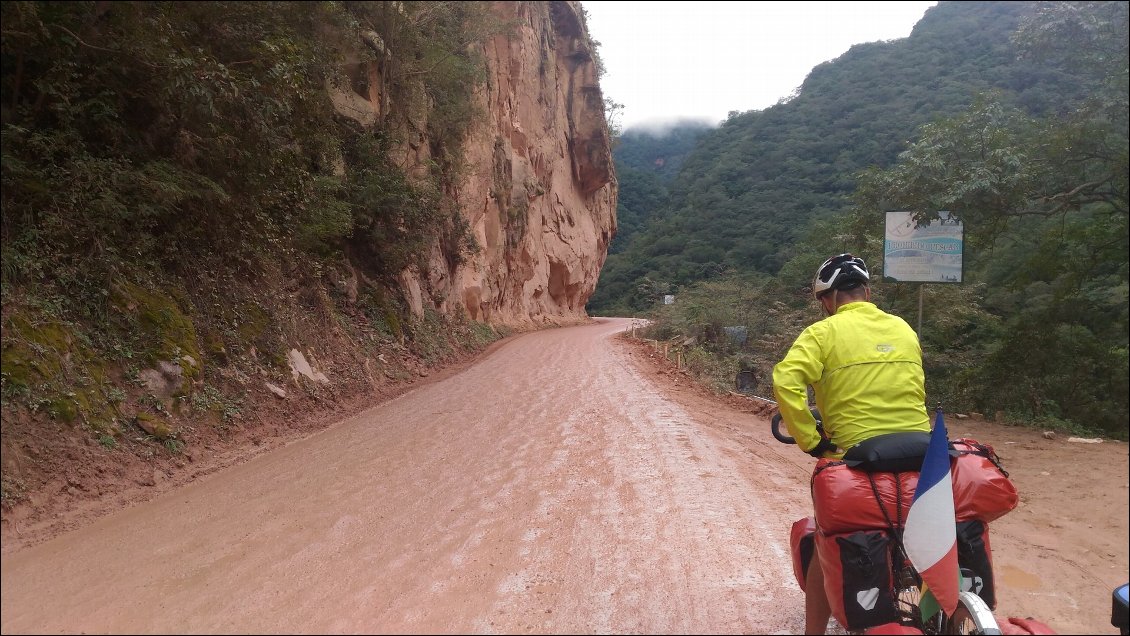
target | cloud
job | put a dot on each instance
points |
(670, 61)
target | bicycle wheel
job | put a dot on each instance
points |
(972, 616)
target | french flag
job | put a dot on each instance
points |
(930, 537)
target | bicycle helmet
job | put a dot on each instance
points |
(840, 272)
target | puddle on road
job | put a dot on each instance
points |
(1016, 578)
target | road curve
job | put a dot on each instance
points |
(549, 488)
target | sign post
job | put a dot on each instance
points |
(924, 253)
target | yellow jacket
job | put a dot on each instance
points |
(865, 366)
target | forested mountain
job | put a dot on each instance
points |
(746, 192)
(660, 150)
(1011, 115)
(646, 161)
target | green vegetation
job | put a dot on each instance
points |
(147, 135)
(49, 366)
(645, 164)
(1029, 149)
(179, 192)
(746, 192)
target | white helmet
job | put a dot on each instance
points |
(839, 272)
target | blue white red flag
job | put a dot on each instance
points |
(930, 536)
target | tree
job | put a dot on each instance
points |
(1045, 200)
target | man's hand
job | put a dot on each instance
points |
(825, 446)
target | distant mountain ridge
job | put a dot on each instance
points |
(748, 189)
(646, 161)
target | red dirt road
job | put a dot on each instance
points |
(566, 483)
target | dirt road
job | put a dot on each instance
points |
(567, 483)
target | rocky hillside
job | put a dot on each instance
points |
(410, 205)
(539, 194)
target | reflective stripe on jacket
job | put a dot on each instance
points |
(865, 366)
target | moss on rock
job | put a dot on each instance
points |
(52, 371)
(33, 354)
(169, 334)
(154, 425)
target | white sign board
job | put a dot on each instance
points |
(926, 254)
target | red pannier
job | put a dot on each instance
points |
(981, 488)
(843, 499)
(892, 628)
(853, 572)
(858, 577)
(801, 544)
(1025, 626)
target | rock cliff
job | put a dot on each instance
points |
(538, 190)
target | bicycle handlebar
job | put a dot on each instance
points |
(775, 427)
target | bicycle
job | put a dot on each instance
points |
(972, 615)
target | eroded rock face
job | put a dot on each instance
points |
(539, 190)
(546, 212)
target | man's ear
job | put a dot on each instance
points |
(827, 299)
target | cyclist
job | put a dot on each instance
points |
(865, 368)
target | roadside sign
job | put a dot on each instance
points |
(930, 253)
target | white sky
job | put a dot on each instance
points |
(672, 60)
